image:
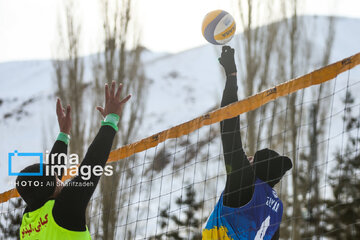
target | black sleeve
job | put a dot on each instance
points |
(240, 179)
(276, 235)
(70, 206)
(58, 148)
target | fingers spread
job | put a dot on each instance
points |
(107, 94)
(101, 110)
(112, 90)
(118, 91)
(59, 108)
(68, 110)
(126, 99)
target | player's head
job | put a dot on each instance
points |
(270, 167)
(36, 190)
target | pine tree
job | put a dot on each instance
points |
(343, 210)
(11, 221)
(188, 227)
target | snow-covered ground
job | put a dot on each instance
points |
(182, 86)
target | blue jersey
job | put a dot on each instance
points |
(258, 219)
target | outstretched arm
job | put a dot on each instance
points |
(61, 144)
(70, 205)
(240, 176)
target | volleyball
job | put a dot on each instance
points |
(218, 27)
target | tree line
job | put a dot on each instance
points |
(267, 55)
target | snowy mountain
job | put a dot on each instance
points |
(183, 86)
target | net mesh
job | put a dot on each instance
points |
(170, 182)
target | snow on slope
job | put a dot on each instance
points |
(183, 86)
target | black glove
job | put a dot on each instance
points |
(227, 60)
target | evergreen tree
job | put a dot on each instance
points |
(11, 220)
(343, 209)
(310, 174)
(188, 227)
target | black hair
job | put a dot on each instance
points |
(35, 190)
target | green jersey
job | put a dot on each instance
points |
(40, 224)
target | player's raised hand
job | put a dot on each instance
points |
(64, 117)
(227, 60)
(113, 104)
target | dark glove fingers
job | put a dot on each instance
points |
(232, 51)
(225, 49)
(227, 59)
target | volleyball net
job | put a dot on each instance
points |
(169, 183)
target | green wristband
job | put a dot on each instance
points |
(65, 138)
(111, 120)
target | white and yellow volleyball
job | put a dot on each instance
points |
(218, 27)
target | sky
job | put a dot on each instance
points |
(28, 27)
